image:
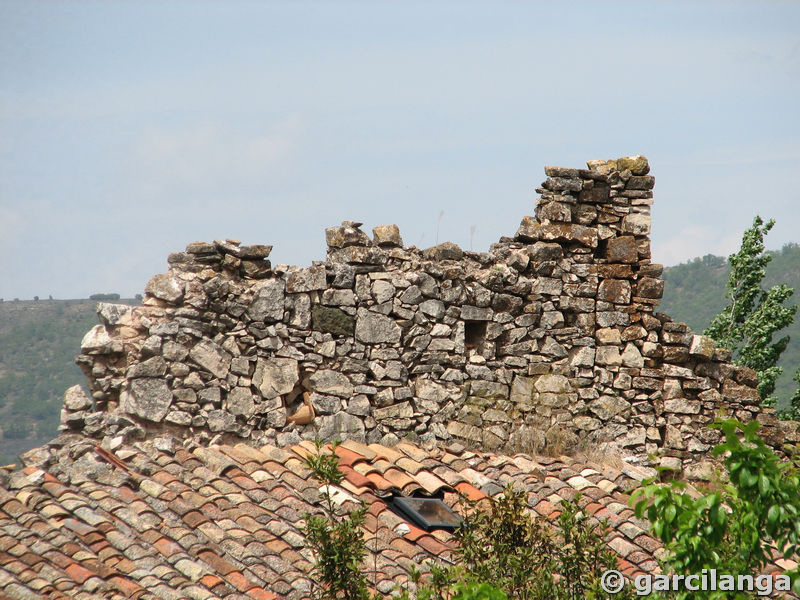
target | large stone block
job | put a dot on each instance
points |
(331, 382)
(622, 250)
(275, 376)
(268, 302)
(148, 397)
(387, 235)
(374, 328)
(211, 357)
(617, 291)
(306, 280)
(165, 286)
(333, 320)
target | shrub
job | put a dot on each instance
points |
(733, 529)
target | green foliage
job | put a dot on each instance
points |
(732, 529)
(747, 324)
(336, 537)
(502, 547)
(694, 292)
(38, 344)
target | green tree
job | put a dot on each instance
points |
(735, 528)
(747, 325)
(336, 536)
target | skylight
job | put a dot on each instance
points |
(428, 513)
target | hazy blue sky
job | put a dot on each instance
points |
(128, 129)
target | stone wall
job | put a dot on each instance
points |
(547, 342)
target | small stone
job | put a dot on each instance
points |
(76, 399)
(113, 314)
(607, 407)
(444, 251)
(221, 420)
(152, 367)
(387, 235)
(347, 234)
(702, 346)
(165, 287)
(636, 223)
(631, 357)
(432, 308)
(637, 164)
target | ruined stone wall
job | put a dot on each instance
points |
(547, 342)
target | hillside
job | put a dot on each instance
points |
(38, 344)
(695, 291)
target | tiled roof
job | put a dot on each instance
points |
(227, 521)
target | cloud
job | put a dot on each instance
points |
(212, 155)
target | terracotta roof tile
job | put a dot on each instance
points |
(226, 521)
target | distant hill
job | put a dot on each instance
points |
(38, 344)
(694, 292)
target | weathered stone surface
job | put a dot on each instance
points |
(268, 301)
(702, 346)
(347, 234)
(531, 230)
(387, 235)
(608, 355)
(374, 328)
(306, 280)
(607, 407)
(211, 357)
(444, 251)
(165, 287)
(622, 250)
(220, 420)
(240, 402)
(432, 308)
(328, 381)
(555, 211)
(275, 376)
(76, 399)
(395, 411)
(552, 383)
(333, 320)
(647, 287)
(152, 367)
(544, 251)
(637, 224)
(631, 357)
(617, 291)
(637, 165)
(114, 314)
(98, 341)
(149, 398)
(474, 313)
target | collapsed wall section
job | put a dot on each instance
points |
(547, 342)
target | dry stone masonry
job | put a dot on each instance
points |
(547, 342)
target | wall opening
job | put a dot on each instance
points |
(474, 335)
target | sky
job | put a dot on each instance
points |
(129, 129)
